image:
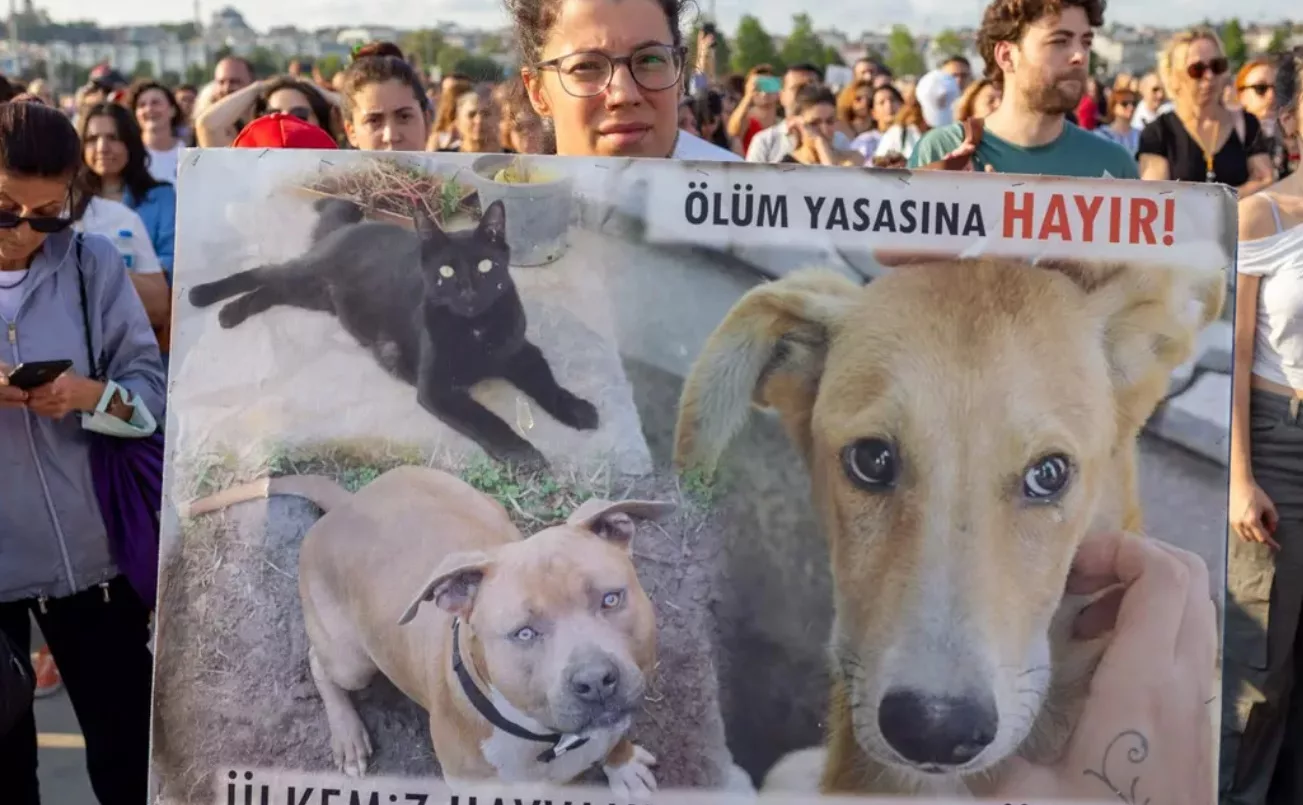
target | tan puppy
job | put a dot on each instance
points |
(534, 654)
(965, 424)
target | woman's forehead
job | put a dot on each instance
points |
(612, 26)
(33, 191)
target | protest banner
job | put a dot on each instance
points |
(636, 474)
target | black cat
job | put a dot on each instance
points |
(437, 310)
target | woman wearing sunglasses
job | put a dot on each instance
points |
(283, 94)
(608, 76)
(1200, 140)
(1119, 112)
(61, 303)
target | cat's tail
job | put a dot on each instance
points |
(211, 292)
(333, 214)
(316, 489)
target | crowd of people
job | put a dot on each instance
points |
(87, 223)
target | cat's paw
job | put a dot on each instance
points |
(206, 294)
(231, 315)
(578, 413)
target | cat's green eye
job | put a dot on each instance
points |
(446, 272)
(486, 266)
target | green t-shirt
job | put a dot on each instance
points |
(1075, 153)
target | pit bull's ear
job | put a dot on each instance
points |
(614, 521)
(768, 352)
(1151, 317)
(453, 585)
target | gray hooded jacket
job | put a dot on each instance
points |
(52, 537)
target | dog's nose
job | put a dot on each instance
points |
(595, 681)
(935, 730)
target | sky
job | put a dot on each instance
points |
(776, 15)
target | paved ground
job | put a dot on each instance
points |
(1185, 494)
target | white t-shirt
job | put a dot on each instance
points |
(107, 217)
(692, 147)
(1278, 342)
(772, 144)
(163, 164)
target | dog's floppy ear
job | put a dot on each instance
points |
(768, 352)
(1151, 316)
(453, 585)
(613, 521)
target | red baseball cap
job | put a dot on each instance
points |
(279, 130)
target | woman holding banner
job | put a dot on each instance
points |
(1262, 721)
(608, 74)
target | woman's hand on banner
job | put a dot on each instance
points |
(1146, 730)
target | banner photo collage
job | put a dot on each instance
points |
(540, 479)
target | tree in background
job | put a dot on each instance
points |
(830, 56)
(947, 44)
(425, 44)
(1237, 52)
(803, 45)
(266, 62)
(198, 75)
(169, 78)
(330, 64)
(1279, 43)
(752, 45)
(903, 57)
(143, 69)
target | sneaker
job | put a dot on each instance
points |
(48, 681)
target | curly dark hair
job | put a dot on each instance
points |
(376, 63)
(1008, 21)
(532, 21)
(135, 176)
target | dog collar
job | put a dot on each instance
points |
(560, 744)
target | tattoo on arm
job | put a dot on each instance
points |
(1124, 790)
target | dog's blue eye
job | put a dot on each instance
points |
(525, 634)
(1045, 479)
(612, 600)
(871, 464)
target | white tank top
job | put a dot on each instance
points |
(1278, 342)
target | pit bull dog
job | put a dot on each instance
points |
(534, 652)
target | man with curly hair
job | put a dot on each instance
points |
(1039, 52)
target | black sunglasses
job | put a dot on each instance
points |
(1258, 89)
(1199, 69)
(301, 112)
(45, 224)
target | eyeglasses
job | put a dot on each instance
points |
(1199, 69)
(589, 73)
(45, 224)
(1260, 90)
(1127, 104)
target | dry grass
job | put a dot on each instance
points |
(397, 188)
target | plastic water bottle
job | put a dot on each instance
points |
(127, 247)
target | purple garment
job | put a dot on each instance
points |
(128, 477)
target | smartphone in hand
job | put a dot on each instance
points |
(34, 374)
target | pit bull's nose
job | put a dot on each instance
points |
(937, 731)
(595, 681)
